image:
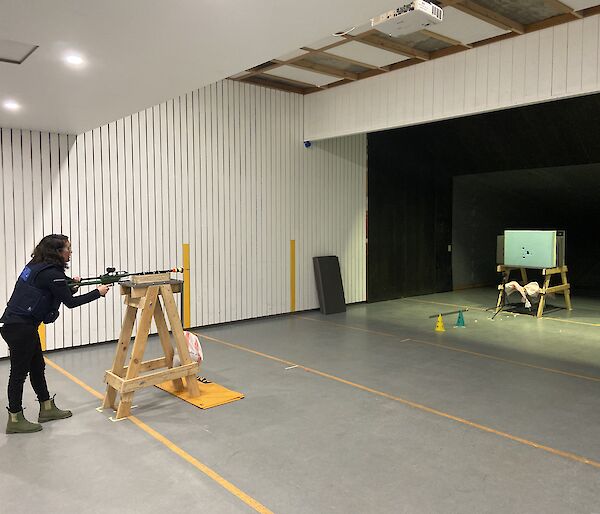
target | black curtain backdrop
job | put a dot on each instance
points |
(410, 187)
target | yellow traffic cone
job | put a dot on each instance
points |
(439, 326)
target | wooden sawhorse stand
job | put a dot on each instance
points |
(563, 288)
(142, 294)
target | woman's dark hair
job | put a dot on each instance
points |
(48, 250)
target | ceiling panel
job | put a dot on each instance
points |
(331, 61)
(581, 4)
(421, 41)
(431, 45)
(367, 54)
(462, 27)
(326, 41)
(291, 55)
(306, 76)
(525, 13)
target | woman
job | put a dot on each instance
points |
(40, 289)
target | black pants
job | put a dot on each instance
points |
(25, 357)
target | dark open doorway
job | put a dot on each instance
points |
(413, 172)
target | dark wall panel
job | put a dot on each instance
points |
(565, 197)
(411, 173)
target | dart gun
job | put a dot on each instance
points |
(112, 276)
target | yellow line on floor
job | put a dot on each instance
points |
(476, 308)
(509, 361)
(248, 500)
(418, 406)
(460, 350)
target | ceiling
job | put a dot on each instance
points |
(138, 53)
(362, 52)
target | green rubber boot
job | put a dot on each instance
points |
(17, 424)
(49, 411)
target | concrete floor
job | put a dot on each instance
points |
(386, 416)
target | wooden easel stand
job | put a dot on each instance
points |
(563, 288)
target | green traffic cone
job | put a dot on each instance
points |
(460, 322)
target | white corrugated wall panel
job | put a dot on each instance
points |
(222, 168)
(553, 63)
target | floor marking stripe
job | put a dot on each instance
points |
(510, 361)
(418, 406)
(460, 350)
(248, 500)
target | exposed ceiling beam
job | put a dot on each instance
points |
(299, 83)
(559, 6)
(338, 83)
(591, 11)
(549, 22)
(495, 39)
(371, 38)
(370, 73)
(487, 15)
(320, 68)
(443, 52)
(445, 39)
(345, 59)
(257, 70)
(377, 39)
(404, 64)
(260, 80)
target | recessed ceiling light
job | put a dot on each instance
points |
(11, 105)
(74, 60)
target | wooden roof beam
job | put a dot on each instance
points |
(295, 82)
(370, 38)
(259, 80)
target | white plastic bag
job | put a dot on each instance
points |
(193, 344)
(194, 349)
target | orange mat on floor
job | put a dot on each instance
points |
(211, 394)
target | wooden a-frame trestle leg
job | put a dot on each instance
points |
(126, 379)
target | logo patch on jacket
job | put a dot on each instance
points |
(25, 273)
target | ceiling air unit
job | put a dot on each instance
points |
(410, 18)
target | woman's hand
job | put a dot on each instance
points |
(103, 289)
(75, 287)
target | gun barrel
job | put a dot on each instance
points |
(112, 277)
(170, 270)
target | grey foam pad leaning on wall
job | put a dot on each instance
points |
(329, 284)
